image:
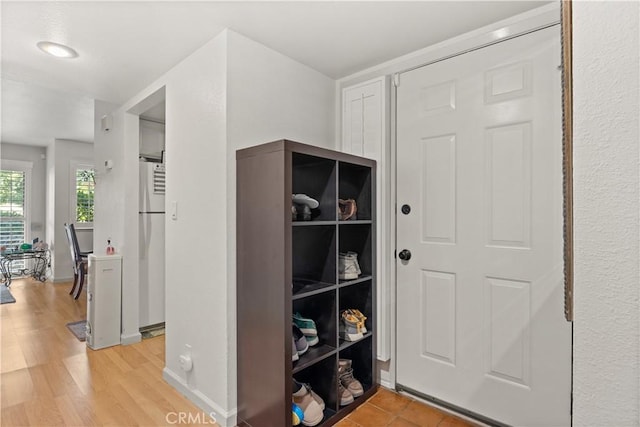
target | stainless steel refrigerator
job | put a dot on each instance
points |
(151, 247)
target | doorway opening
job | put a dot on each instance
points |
(151, 214)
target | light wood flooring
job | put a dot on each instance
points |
(49, 378)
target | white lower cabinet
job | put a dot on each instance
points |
(104, 301)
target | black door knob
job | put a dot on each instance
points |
(405, 255)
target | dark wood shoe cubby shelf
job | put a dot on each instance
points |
(286, 266)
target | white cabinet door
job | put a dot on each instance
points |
(364, 121)
(152, 138)
(364, 133)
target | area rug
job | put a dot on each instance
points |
(78, 329)
(5, 295)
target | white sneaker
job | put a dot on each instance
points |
(303, 199)
(348, 267)
(354, 257)
(305, 399)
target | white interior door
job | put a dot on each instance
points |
(480, 302)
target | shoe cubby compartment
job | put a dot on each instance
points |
(357, 238)
(313, 258)
(361, 356)
(323, 379)
(355, 183)
(320, 308)
(316, 177)
(358, 296)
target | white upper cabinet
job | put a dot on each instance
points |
(152, 138)
(363, 118)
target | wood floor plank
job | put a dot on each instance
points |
(108, 411)
(127, 402)
(59, 379)
(117, 360)
(16, 387)
(41, 387)
(43, 412)
(15, 415)
(12, 358)
(79, 369)
(68, 409)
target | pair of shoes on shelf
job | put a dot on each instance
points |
(309, 402)
(348, 387)
(300, 344)
(303, 199)
(301, 207)
(352, 324)
(347, 209)
(308, 328)
(305, 335)
(348, 266)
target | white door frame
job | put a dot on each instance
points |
(519, 25)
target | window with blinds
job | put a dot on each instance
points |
(84, 190)
(12, 208)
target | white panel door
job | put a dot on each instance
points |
(480, 302)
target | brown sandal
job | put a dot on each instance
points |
(347, 209)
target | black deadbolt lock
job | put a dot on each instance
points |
(405, 255)
(406, 209)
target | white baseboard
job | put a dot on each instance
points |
(387, 384)
(223, 418)
(130, 339)
(62, 279)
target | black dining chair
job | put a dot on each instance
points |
(80, 261)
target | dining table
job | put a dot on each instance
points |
(36, 265)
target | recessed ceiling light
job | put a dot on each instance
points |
(57, 49)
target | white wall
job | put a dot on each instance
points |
(196, 276)
(270, 97)
(35, 155)
(60, 154)
(606, 223)
(116, 207)
(273, 97)
(50, 205)
(195, 267)
(109, 200)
